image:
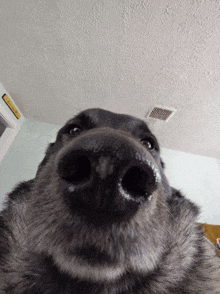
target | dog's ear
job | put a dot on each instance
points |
(176, 193)
(180, 204)
(162, 163)
(21, 191)
(48, 152)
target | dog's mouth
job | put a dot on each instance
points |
(93, 255)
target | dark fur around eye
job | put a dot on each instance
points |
(149, 143)
(73, 130)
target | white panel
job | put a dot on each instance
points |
(10, 121)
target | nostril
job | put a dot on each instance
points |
(75, 168)
(139, 182)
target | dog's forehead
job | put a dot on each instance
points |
(103, 118)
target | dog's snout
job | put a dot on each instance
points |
(75, 168)
(139, 182)
(104, 169)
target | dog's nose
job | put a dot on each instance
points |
(105, 169)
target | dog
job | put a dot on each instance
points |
(101, 218)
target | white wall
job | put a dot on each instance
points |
(197, 177)
(25, 153)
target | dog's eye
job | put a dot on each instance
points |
(149, 143)
(74, 130)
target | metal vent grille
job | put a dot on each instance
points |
(161, 113)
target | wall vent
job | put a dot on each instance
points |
(162, 113)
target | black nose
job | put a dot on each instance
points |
(105, 170)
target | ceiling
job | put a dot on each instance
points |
(59, 57)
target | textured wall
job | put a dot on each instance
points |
(61, 56)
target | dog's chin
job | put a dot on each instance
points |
(141, 263)
(76, 268)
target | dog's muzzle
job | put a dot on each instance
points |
(103, 170)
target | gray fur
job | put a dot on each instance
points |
(159, 250)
